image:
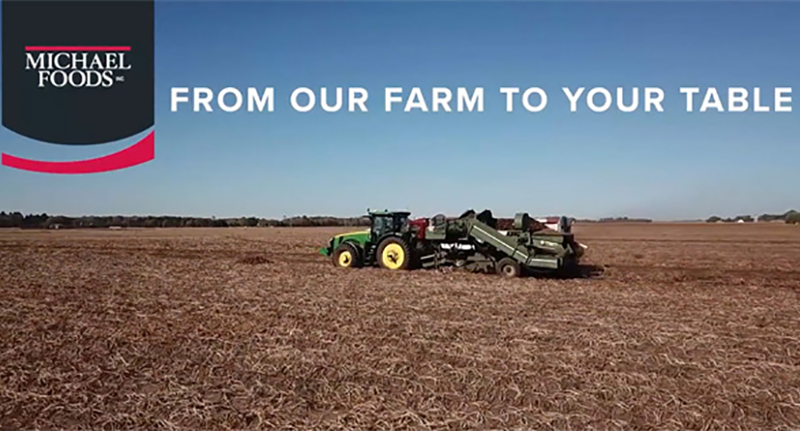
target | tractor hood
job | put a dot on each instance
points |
(359, 237)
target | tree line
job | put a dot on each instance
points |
(789, 217)
(45, 221)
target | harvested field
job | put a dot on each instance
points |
(689, 327)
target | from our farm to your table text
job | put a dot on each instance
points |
(463, 99)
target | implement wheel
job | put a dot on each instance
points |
(346, 256)
(394, 254)
(508, 267)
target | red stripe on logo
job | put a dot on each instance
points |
(77, 48)
(138, 153)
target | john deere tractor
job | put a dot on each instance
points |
(470, 241)
(388, 243)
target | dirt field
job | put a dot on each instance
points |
(689, 327)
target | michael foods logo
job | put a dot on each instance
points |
(77, 66)
(79, 73)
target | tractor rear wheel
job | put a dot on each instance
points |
(509, 267)
(394, 253)
(347, 256)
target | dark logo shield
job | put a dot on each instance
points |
(79, 73)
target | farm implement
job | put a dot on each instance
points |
(472, 241)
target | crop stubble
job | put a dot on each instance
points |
(689, 327)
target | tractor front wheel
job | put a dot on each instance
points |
(394, 254)
(347, 256)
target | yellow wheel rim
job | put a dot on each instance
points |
(393, 256)
(345, 259)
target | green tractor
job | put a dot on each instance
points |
(388, 242)
(471, 241)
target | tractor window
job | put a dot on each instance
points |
(399, 221)
(380, 225)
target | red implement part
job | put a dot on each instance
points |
(420, 224)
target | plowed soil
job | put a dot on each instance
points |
(685, 327)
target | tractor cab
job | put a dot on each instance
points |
(387, 222)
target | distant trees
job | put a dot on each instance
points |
(44, 221)
(717, 219)
(790, 216)
(771, 217)
(16, 219)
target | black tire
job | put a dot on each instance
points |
(508, 267)
(347, 255)
(359, 255)
(396, 244)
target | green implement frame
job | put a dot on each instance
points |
(530, 249)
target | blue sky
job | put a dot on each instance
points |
(662, 165)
